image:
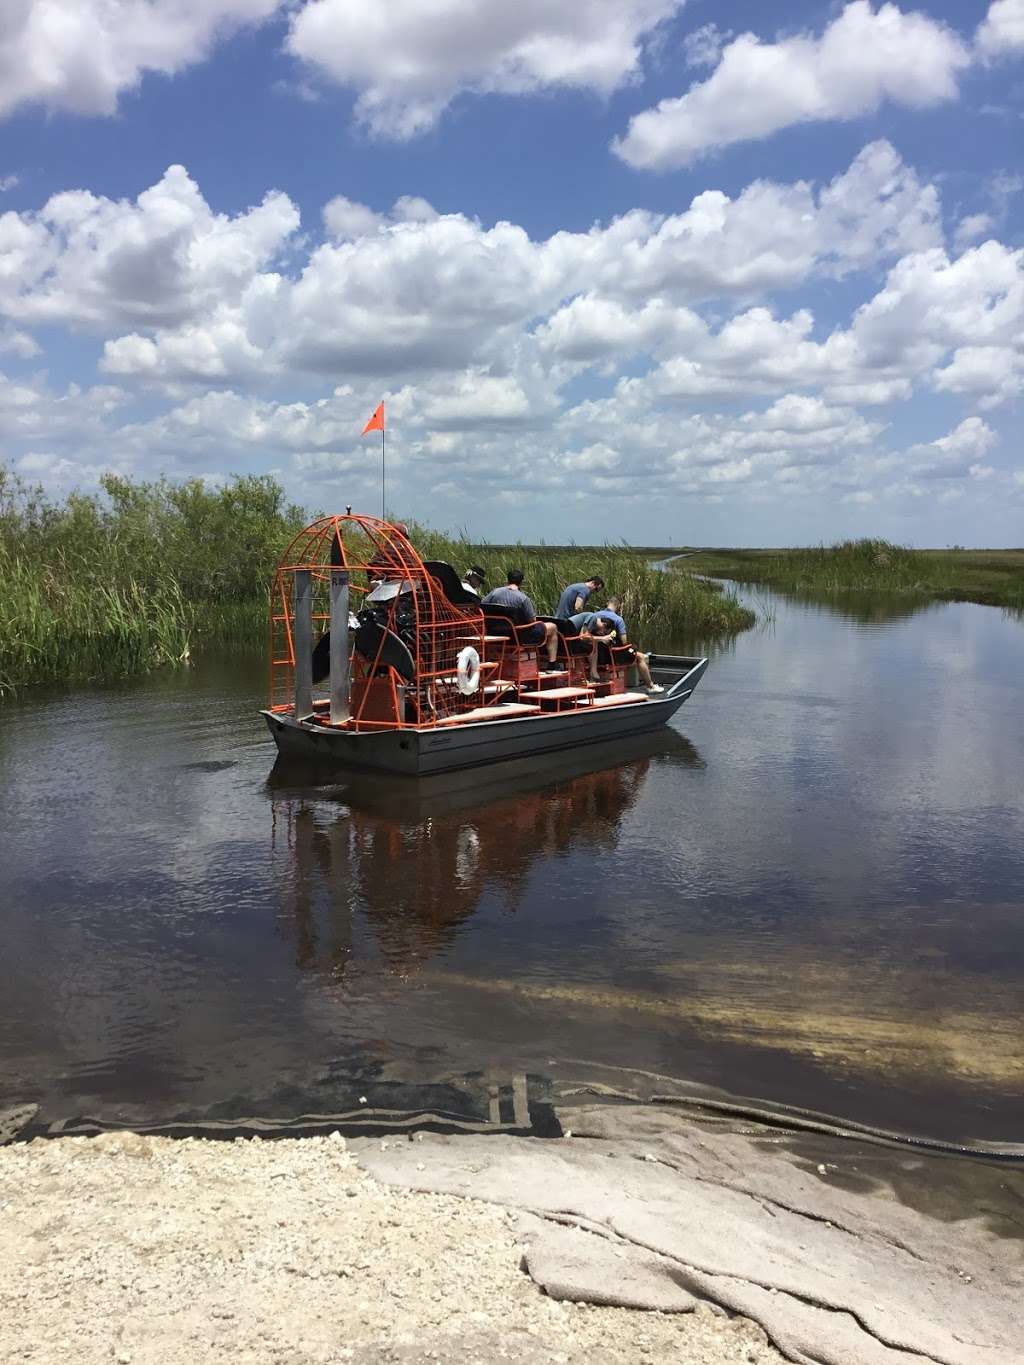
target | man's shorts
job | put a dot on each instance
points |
(531, 635)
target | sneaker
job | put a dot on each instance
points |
(553, 667)
(655, 687)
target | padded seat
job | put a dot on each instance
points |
(505, 712)
(621, 698)
(451, 585)
(558, 693)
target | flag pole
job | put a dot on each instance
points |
(383, 514)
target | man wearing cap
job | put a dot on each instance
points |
(474, 579)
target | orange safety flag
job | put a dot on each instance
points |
(376, 422)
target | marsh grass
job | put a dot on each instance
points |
(144, 575)
(656, 606)
(136, 578)
(991, 577)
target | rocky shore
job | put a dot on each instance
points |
(151, 1251)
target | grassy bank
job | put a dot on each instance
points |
(991, 577)
(140, 576)
(143, 574)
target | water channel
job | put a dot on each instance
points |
(809, 890)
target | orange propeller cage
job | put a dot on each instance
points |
(433, 629)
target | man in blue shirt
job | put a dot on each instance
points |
(574, 598)
(512, 602)
(607, 627)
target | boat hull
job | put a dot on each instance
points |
(434, 750)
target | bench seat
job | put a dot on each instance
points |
(506, 712)
(558, 693)
(620, 698)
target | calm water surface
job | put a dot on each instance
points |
(810, 890)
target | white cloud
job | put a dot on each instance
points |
(991, 374)
(203, 296)
(956, 455)
(1002, 30)
(475, 400)
(31, 411)
(79, 55)
(956, 324)
(157, 261)
(346, 220)
(703, 46)
(972, 227)
(863, 58)
(408, 60)
(9, 182)
(710, 387)
(932, 305)
(15, 342)
(972, 439)
(455, 437)
(413, 208)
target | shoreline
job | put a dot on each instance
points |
(639, 1235)
(161, 1251)
(989, 578)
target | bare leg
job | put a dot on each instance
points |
(551, 640)
(593, 660)
(644, 669)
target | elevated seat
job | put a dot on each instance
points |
(613, 665)
(451, 585)
(505, 712)
(573, 649)
(519, 661)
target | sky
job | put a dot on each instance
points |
(715, 272)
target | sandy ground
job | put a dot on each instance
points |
(153, 1251)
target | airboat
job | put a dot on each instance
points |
(382, 660)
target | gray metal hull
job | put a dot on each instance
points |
(421, 752)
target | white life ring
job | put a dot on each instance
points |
(469, 671)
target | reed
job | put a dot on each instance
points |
(991, 577)
(657, 606)
(145, 574)
(135, 578)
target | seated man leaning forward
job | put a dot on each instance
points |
(574, 598)
(607, 627)
(512, 602)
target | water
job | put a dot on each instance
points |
(809, 890)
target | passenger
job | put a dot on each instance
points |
(474, 579)
(607, 627)
(584, 621)
(575, 597)
(515, 604)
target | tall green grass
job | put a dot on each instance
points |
(993, 577)
(144, 574)
(656, 606)
(134, 578)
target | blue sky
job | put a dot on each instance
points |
(726, 273)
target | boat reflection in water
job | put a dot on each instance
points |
(412, 860)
